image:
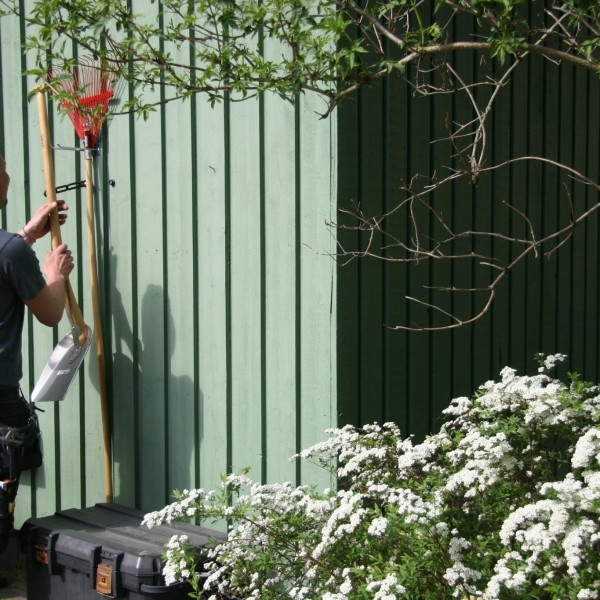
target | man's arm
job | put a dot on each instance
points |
(49, 304)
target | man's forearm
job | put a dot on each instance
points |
(28, 238)
(59, 293)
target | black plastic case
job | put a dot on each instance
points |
(101, 551)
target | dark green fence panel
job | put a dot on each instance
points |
(545, 305)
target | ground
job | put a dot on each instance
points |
(12, 566)
(17, 590)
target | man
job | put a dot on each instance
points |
(22, 284)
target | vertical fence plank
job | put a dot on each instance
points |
(212, 290)
(180, 283)
(246, 291)
(580, 142)
(149, 189)
(280, 226)
(592, 235)
(122, 283)
(316, 281)
(394, 174)
(348, 323)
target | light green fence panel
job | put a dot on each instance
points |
(217, 293)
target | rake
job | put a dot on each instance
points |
(91, 89)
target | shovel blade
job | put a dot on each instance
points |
(59, 373)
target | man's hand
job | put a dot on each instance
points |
(39, 224)
(58, 264)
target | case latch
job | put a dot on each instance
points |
(104, 579)
(41, 554)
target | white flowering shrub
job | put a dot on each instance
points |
(503, 502)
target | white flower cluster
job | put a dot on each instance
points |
(474, 511)
(549, 362)
(177, 567)
(458, 575)
(178, 511)
(411, 458)
(387, 589)
(483, 460)
(587, 450)
(378, 526)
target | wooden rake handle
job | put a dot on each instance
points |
(89, 191)
(72, 305)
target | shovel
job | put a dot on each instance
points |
(59, 373)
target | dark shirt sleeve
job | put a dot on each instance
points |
(23, 269)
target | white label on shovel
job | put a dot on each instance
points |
(65, 372)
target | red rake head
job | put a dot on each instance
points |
(87, 115)
(92, 88)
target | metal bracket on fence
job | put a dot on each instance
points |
(76, 185)
(90, 152)
(70, 148)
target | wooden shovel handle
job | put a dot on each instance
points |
(72, 306)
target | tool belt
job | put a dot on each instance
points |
(20, 448)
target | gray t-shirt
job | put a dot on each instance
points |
(20, 280)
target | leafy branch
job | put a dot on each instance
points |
(236, 50)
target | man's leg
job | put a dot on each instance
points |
(8, 493)
(14, 413)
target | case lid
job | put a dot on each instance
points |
(80, 539)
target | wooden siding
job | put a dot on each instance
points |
(545, 306)
(219, 321)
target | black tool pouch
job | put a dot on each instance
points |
(20, 448)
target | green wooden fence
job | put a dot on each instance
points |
(232, 339)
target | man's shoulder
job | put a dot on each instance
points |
(14, 248)
(6, 237)
(19, 265)
(12, 242)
